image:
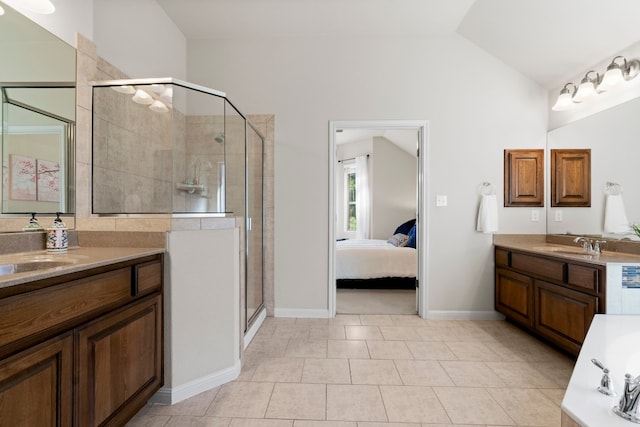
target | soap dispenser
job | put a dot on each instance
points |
(57, 236)
(33, 224)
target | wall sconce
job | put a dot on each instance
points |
(593, 83)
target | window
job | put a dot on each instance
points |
(350, 192)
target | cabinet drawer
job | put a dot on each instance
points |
(584, 277)
(33, 312)
(538, 266)
(502, 258)
(146, 277)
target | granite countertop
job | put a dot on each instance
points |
(575, 253)
(74, 259)
(613, 340)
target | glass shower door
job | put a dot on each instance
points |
(254, 225)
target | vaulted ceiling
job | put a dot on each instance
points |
(547, 40)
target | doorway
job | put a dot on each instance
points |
(385, 145)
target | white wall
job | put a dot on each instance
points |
(71, 16)
(139, 38)
(476, 107)
(394, 181)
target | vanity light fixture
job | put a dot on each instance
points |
(618, 71)
(142, 97)
(565, 99)
(587, 88)
(167, 95)
(158, 107)
(126, 89)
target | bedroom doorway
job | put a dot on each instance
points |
(377, 203)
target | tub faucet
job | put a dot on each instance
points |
(628, 406)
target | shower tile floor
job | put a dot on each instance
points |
(382, 371)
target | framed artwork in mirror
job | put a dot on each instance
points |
(571, 177)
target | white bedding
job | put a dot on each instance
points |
(371, 259)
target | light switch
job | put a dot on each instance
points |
(441, 200)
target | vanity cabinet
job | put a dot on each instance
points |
(551, 296)
(82, 349)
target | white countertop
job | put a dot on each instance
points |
(615, 341)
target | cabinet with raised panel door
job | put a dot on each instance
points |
(553, 297)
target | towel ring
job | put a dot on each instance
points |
(486, 189)
(613, 188)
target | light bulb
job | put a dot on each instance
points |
(126, 89)
(157, 88)
(585, 91)
(167, 95)
(612, 78)
(565, 99)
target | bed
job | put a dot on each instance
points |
(374, 264)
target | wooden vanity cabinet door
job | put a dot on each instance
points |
(119, 363)
(36, 384)
(514, 296)
(571, 178)
(562, 315)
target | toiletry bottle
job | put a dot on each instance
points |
(33, 224)
(57, 236)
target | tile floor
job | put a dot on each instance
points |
(382, 371)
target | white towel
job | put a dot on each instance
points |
(615, 217)
(488, 214)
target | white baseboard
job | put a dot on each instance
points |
(464, 315)
(253, 330)
(304, 313)
(173, 395)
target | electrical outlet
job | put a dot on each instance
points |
(535, 216)
(558, 215)
(441, 200)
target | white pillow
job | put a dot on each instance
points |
(399, 240)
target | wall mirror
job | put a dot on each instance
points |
(613, 135)
(37, 86)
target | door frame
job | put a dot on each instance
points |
(422, 214)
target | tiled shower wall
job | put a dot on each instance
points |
(93, 68)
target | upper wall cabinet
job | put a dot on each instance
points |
(571, 178)
(524, 178)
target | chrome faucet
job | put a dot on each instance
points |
(628, 406)
(590, 246)
(606, 386)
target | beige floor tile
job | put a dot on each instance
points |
(388, 350)
(370, 424)
(467, 405)
(558, 371)
(299, 332)
(326, 371)
(363, 332)
(412, 404)
(355, 403)
(404, 333)
(308, 423)
(374, 372)
(279, 370)
(241, 400)
(250, 422)
(422, 372)
(520, 375)
(298, 401)
(345, 319)
(350, 349)
(306, 348)
(148, 421)
(430, 350)
(268, 347)
(189, 421)
(428, 333)
(527, 406)
(375, 319)
(406, 320)
(555, 394)
(196, 405)
(327, 332)
(465, 350)
(474, 374)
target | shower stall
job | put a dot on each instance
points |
(164, 146)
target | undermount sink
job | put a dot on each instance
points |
(25, 266)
